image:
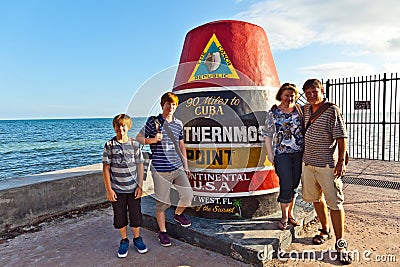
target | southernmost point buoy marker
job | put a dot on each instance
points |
(226, 81)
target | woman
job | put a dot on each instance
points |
(284, 140)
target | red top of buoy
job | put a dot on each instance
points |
(226, 53)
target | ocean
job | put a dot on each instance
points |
(35, 146)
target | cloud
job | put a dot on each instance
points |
(338, 69)
(391, 67)
(395, 43)
(372, 26)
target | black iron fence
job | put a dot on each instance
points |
(371, 110)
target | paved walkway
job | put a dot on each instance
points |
(372, 222)
(90, 239)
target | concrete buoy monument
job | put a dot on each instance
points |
(226, 81)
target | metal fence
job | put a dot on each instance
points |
(371, 110)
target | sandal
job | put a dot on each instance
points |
(282, 225)
(294, 221)
(345, 257)
(320, 239)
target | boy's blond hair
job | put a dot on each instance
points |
(122, 119)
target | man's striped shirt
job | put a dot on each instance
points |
(320, 138)
(123, 158)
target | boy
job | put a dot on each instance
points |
(164, 133)
(123, 180)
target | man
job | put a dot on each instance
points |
(324, 164)
(164, 133)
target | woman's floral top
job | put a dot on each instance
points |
(287, 130)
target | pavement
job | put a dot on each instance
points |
(89, 239)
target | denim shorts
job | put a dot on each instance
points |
(288, 168)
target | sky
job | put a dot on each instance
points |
(97, 58)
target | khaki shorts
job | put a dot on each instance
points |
(164, 181)
(319, 183)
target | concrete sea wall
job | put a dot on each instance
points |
(25, 200)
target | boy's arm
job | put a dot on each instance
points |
(140, 175)
(141, 136)
(150, 140)
(111, 195)
(184, 158)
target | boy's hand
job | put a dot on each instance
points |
(155, 139)
(111, 196)
(138, 192)
(158, 137)
(189, 174)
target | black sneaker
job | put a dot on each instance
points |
(123, 248)
(182, 220)
(164, 239)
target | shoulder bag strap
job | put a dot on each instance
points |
(318, 113)
(133, 146)
(157, 122)
(171, 136)
(110, 145)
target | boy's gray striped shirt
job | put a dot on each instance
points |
(123, 158)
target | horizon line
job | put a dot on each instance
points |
(60, 118)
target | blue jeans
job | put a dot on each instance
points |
(288, 168)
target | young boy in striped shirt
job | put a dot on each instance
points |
(123, 180)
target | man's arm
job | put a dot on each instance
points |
(340, 168)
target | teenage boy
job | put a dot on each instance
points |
(164, 133)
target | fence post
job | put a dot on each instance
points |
(327, 85)
(384, 116)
